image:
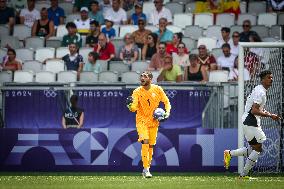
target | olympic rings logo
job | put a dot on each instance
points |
(171, 93)
(50, 93)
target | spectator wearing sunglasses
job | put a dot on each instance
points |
(244, 36)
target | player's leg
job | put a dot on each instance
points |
(153, 132)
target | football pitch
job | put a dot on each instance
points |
(134, 180)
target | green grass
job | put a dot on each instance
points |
(72, 180)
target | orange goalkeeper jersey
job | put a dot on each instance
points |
(146, 101)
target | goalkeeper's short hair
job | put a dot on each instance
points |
(150, 75)
(264, 73)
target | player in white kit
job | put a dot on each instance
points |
(254, 110)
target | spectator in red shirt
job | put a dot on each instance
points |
(173, 47)
(104, 48)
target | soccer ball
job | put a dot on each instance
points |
(159, 114)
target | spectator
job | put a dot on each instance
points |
(170, 71)
(73, 61)
(226, 62)
(105, 5)
(234, 73)
(78, 4)
(117, 14)
(56, 13)
(173, 47)
(150, 47)
(73, 116)
(195, 72)
(129, 52)
(108, 30)
(95, 13)
(275, 6)
(160, 12)
(83, 24)
(128, 5)
(92, 38)
(138, 14)
(244, 36)
(225, 32)
(17, 5)
(43, 27)
(181, 58)
(164, 35)
(104, 48)
(92, 65)
(157, 60)
(235, 45)
(10, 63)
(7, 15)
(140, 35)
(72, 36)
(30, 15)
(206, 59)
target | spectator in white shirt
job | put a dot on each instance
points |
(234, 73)
(83, 24)
(225, 32)
(116, 14)
(226, 62)
(235, 45)
(160, 12)
(30, 15)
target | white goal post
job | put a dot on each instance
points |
(241, 85)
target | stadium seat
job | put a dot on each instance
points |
(175, 7)
(61, 51)
(194, 51)
(256, 7)
(280, 19)
(117, 42)
(22, 31)
(174, 29)
(104, 64)
(148, 7)
(190, 7)
(53, 42)
(54, 65)
(275, 31)
(12, 41)
(23, 76)
(155, 76)
(34, 42)
(139, 66)
(84, 52)
(267, 19)
(108, 76)
(183, 20)
(41, 54)
(214, 32)
(243, 6)
(203, 20)
(45, 77)
(130, 77)
(261, 30)
(225, 19)
(237, 28)
(32, 65)
(67, 76)
(118, 66)
(189, 43)
(216, 52)
(67, 7)
(72, 17)
(270, 39)
(124, 29)
(4, 30)
(3, 53)
(6, 76)
(151, 28)
(88, 77)
(41, 4)
(209, 42)
(61, 31)
(218, 76)
(194, 32)
(246, 16)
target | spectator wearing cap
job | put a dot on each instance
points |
(83, 24)
(6, 15)
(108, 30)
(160, 12)
(92, 38)
(30, 15)
(117, 14)
(140, 35)
(56, 13)
(195, 71)
(138, 14)
(104, 48)
(244, 36)
(72, 36)
(170, 72)
(95, 13)
(164, 35)
(226, 61)
(78, 4)
(225, 33)
(206, 59)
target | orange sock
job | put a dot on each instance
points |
(151, 150)
(145, 155)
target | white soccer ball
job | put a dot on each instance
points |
(159, 114)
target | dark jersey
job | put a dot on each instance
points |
(72, 115)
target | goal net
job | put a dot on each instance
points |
(254, 58)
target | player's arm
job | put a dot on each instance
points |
(166, 102)
(255, 110)
(132, 103)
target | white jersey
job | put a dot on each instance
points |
(258, 96)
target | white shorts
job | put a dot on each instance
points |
(251, 132)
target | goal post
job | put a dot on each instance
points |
(266, 55)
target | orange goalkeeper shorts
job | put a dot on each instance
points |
(146, 132)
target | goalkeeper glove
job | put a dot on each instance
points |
(129, 101)
(165, 117)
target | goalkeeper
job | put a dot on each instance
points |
(144, 100)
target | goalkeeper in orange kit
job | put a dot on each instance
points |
(144, 101)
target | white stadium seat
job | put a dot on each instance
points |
(23, 76)
(32, 65)
(87, 77)
(45, 77)
(108, 76)
(54, 65)
(25, 54)
(130, 77)
(41, 54)
(218, 76)
(67, 76)
(204, 20)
